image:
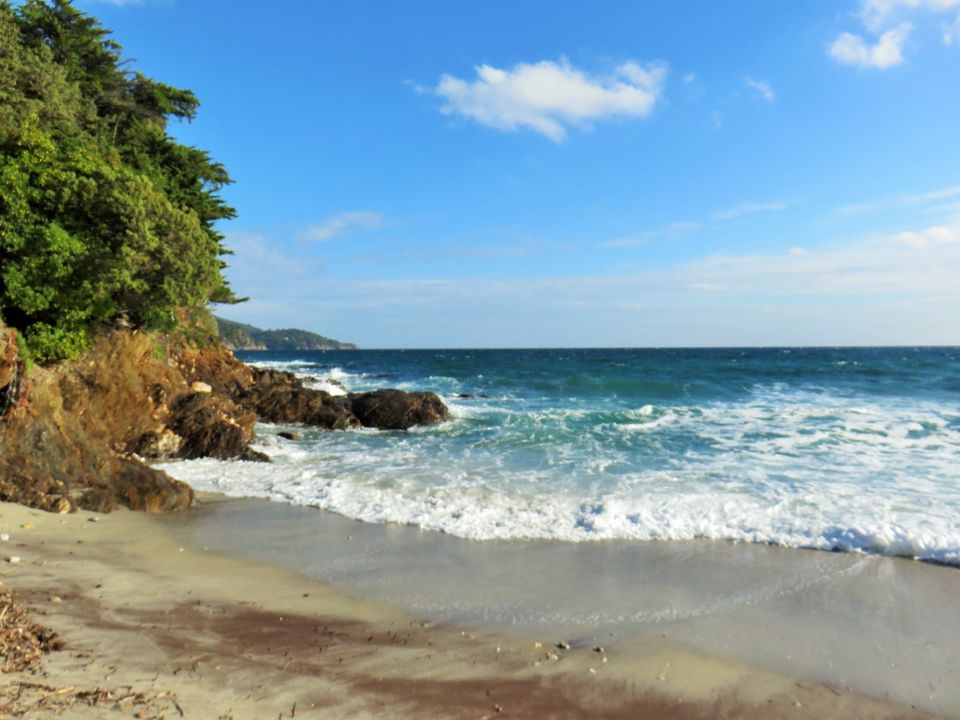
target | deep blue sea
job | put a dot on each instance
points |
(853, 449)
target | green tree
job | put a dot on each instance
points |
(103, 215)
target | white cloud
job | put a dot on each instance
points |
(682, 227)
(707, 287)
(748, 208)
(932, 196)
(548, 97)
(890, 20)
(883, 265)
(338, 225)
(855, 210)
(761, 86)
(951, 31)
(930, 237)
(877, 14)
(851, 49)
(690, 78)
(880, 290)
(641, 238)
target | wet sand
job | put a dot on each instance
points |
(204, 634)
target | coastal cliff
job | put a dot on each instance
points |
(77, 434)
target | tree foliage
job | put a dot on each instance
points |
(103, 215)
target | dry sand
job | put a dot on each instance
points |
(153, 629)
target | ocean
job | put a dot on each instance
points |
(843, 449)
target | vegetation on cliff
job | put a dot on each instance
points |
(239, 336)
(104, 217)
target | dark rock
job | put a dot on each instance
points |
(287, 435)
(251, 455)
(46, 494)
(98, 499)
(280, 397)
(210, 426)
(397, 410)
(140, 487)
(280, 402)
(157, 445)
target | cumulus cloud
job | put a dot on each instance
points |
(761, 86)
(748, 208)
(886, 52)
(889, 21)
(549, 97)
(341, 224)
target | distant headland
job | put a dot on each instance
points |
(240, 336)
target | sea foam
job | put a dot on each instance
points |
(799, 465)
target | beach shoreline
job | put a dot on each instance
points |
(210, 635)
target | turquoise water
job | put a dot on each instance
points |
(854, 449)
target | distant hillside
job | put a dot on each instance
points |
(239, 336)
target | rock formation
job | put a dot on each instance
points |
(76, 434)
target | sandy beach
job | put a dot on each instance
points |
(156, 628)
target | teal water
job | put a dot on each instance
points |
(854, 449)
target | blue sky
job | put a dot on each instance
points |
(494, 174)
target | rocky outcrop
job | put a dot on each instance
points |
(396, 409)
(280, 397)
(65, 431)
(77, 434)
